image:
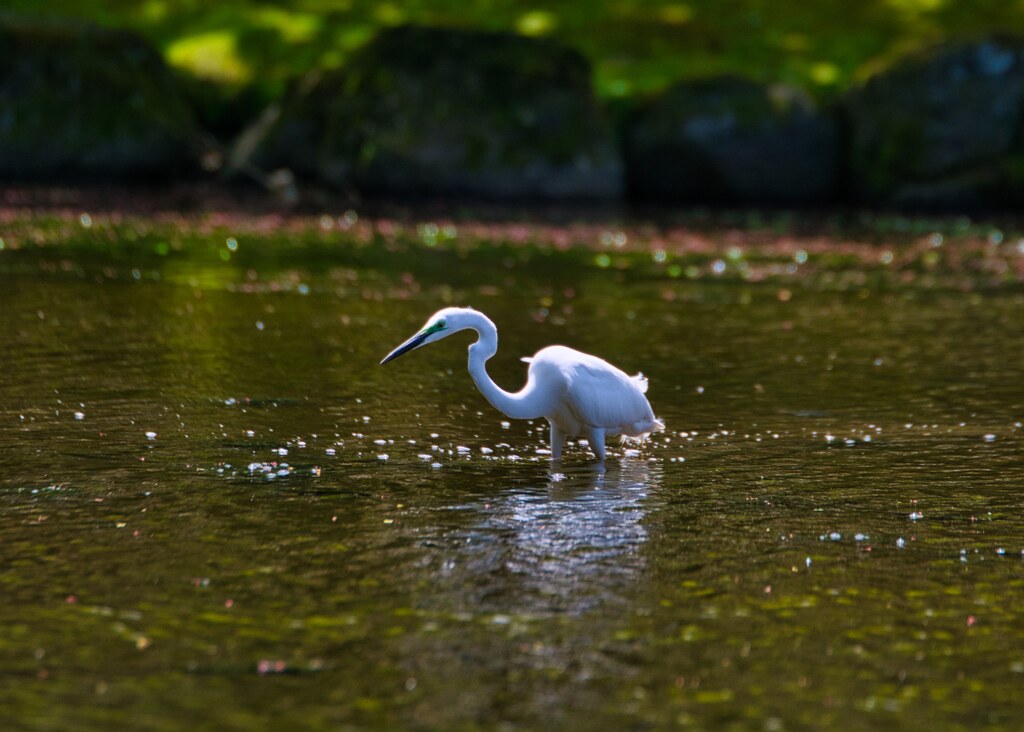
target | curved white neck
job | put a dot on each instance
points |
(523, 404)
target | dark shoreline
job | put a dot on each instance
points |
(201, 197)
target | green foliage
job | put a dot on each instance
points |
(636, 47)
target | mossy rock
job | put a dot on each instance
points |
(437, 111)
(942, 128)
(730, 140)
(80, 102)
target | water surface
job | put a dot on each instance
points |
(216, 509)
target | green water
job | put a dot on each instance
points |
(199, 527)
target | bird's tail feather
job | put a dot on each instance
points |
(644, 431)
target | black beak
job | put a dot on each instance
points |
(415, 342)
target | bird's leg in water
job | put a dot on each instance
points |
(557, 439)
(596, 438)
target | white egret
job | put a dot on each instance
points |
(579, 394)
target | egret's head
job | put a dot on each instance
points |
(439, 325)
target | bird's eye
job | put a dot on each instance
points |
(440, 324)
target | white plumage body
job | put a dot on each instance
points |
(586, 392)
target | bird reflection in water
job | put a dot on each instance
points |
(567, 544)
